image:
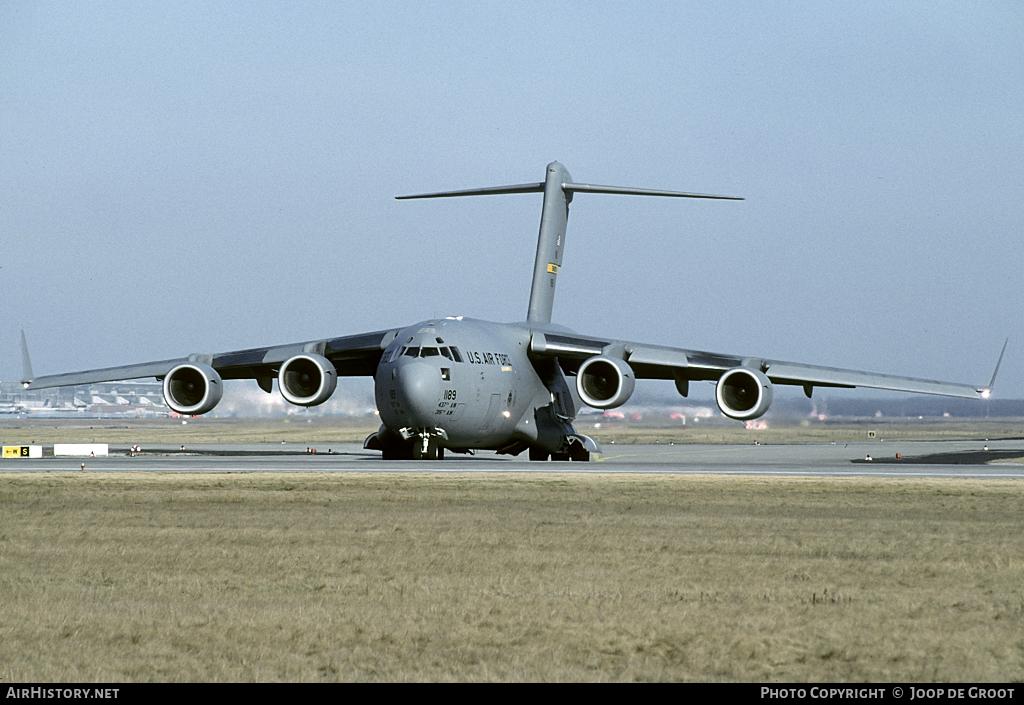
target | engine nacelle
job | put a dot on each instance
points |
(743, 393)
(307, 379)
(605, 382)
(192, 388)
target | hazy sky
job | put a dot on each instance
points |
(203, 177)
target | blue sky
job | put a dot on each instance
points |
(203, 177)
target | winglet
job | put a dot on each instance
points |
(987, 391)
(26, 363)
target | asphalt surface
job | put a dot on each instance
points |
(954, 459)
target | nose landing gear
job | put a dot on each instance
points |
(407, 444)
(427, 447)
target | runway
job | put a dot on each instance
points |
(950, 459)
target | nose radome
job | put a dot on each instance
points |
(418, 386)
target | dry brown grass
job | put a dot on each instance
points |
(433, 576)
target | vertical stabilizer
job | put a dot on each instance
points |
(554, 217)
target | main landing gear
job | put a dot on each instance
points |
(575, 447)
(576, 452)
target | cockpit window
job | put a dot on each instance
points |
(452, 353)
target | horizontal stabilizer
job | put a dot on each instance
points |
(568, 187)
(627, 191)
(490, 191)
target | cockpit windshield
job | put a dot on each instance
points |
(451, 353)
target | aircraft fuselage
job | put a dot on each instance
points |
(470, 384)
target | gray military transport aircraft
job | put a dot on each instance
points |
(463, 384)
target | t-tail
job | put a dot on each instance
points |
(558, 189)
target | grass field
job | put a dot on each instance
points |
(311, 577)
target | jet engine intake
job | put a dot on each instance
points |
(605, 382)
(743, 393)
(193, 388)
(307, 379)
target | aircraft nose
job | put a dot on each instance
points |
(418, 387)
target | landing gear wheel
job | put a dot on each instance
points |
(396, 451)
(427, 449)
(579, 453)
(538, 453)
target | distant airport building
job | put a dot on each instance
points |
(109, 399)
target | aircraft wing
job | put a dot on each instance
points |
(352, 356)
(681, 365)
(108, 374)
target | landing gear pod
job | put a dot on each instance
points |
(605, 382)
(307, 379)
(743, 393)
(193, 388)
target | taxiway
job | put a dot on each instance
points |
(952, 459)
